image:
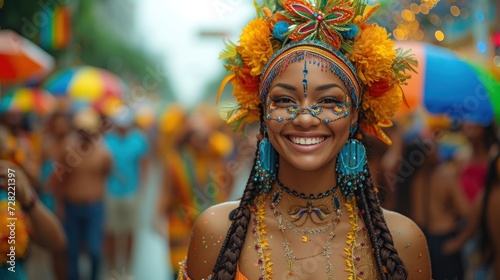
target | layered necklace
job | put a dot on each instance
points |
(308, 216)
(310, 208)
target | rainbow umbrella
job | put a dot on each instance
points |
(21, 60)
(448, 84)
(98, 87)
(25, 99)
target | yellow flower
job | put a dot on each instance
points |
(382, 108)
(255, 45)
(249, 103)
(373, 54)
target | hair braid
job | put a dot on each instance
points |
(386, 255)
(225, 267)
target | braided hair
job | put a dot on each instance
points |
(225, 267)
(388, 262)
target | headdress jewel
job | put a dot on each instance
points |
(335, 32)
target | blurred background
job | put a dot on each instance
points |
(109, 109)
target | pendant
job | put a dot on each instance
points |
(304, 238)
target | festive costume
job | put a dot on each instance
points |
(333, 35)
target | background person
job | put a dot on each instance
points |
(129, 150)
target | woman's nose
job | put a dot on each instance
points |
(306, 117)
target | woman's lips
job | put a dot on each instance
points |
(306, 140)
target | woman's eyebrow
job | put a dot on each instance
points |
(285, 86)
(328, 86)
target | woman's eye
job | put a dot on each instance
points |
(330, 101)
(284, 100)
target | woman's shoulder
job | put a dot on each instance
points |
(411, 244)
(207, 236)
(216, 218)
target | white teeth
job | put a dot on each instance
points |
(307, 141)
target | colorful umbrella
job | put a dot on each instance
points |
(448, 84)
(98, 87)
(21, 60)
(26, 100)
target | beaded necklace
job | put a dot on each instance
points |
(289, 256)
(353, 252)
(260, 233)
(303, 195)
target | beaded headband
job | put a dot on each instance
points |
(319, 53)
(334, 33)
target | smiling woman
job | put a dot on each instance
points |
(295, 113)
(318, 77)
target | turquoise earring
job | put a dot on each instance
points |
(267, 165)
(352, 165)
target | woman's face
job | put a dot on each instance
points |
(308, 125)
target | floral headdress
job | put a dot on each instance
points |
(338, 25)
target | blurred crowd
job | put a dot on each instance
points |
(81, 176)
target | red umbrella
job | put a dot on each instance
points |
(21, 60)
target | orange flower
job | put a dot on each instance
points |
(381, 108)
(246, 80)
(373, 54)
(255, 45)
(378, 88)
(248, 101)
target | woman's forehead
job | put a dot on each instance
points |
(316, 78)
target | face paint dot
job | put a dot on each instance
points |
(407, 245)
(419, 255)
(420, 270)
(399, 232)
(213, 214)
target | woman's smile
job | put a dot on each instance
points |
(306, 141)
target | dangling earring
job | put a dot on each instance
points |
(267, 165)
(352, 166)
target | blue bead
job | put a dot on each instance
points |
(280, 119)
